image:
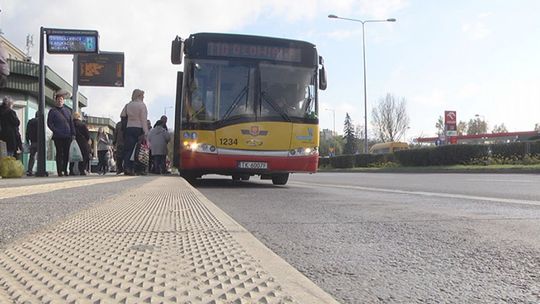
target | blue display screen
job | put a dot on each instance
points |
(72, 43)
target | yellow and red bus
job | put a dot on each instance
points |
(246, 105)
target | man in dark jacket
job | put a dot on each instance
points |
(61, 124)
(9, 126)
(31, 138)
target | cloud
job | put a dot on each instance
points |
(143, 30)
(435, 98)
(140, 29)
(477, 29)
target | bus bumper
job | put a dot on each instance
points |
(213, 163)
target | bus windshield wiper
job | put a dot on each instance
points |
(275, 107)
(235, 103)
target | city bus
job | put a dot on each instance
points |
(246, 106)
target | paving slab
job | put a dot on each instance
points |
(162, 242)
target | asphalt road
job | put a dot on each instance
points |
(398, 238)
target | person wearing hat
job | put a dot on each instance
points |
(61, 124)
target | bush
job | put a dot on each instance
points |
(441, 156)
(367, 160)
(324, 162)
(10, 167)
(342, 161)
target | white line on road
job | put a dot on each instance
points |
(501, 180)
(64, 184)
(423, 193)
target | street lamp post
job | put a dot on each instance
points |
(334, 116)
(165, 110)
(364, 60)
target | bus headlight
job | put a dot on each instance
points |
(200, 147)
(309, 151)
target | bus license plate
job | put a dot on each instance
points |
(252, 165)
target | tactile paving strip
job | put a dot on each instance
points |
(160, 243)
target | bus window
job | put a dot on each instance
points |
(201, 101)
(286, 88)
(388, 147)
(235, 97)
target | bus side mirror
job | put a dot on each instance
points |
(322, 79)
(177, 50)
(322, 75)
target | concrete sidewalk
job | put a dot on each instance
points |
(162, 242)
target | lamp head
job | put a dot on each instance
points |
(332, 16)
(391, 20)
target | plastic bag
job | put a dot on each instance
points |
(75, 154)
(10, 167)
(143, 155)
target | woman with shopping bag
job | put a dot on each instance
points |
(136, 127)
(82, 135)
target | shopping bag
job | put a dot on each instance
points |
(143, 155)
(75, 154)
(10, 167)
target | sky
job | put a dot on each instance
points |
(476, 57)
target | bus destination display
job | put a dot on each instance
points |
(72, 42)
(224, 49)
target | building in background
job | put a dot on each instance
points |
(23, 85)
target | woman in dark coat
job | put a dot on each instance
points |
(82, 136)
(9, 126)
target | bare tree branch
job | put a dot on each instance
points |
(390, 118)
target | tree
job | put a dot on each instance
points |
(349, 136)
(390, 118)
(461, 127)
(333, 144)
(499, 129)
(537, 127)
(476, 126)
(439, 125)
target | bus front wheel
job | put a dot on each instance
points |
(280, 179)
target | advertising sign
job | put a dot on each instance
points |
(450, 117)
(450, 121)
(62, 41)
(105, 69)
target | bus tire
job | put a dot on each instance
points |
(280, 179)
(190, 177)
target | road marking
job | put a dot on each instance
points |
(429, 194)
(65, 184)
(501, 180)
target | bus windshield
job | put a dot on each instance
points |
(222, 90)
